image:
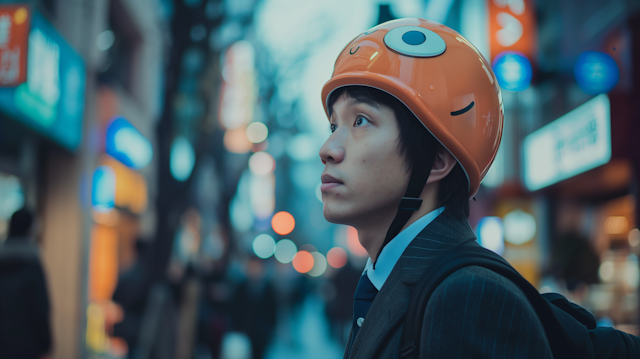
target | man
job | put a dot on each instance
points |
(416, 119)
(24, 303)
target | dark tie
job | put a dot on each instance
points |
(365, 293)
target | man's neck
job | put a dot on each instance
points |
(373, 232)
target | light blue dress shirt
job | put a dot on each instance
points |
(394, 249)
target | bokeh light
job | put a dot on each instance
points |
(105, 40)
(182, 159)
(616, 224)
(490, 233)
(236, 141)
(337, 257)
(634, 237)
(257, 132)
(606, 271)
(303, 262)
(319, 264)
(264, 246)
(353, 243)
(261, 163)
(513, 70)
(596, 72)
(519, 227)
(285, 251)
(283, 223)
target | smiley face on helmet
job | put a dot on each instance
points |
(440, 76)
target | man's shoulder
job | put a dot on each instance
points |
(489, 311)
(478, 282)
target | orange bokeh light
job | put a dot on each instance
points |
(283, 223)
(337, 257)
(353, 243)
(303, 262)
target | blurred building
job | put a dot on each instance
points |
(87, 64)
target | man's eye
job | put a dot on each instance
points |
(332, 127)
(361, 120)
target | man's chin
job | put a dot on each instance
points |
(337, 217)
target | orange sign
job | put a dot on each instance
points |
(131, 187)
(14, 33)
(512, 27)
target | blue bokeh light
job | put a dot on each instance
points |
(596, 72)
(182, 159)
(103, 191)
(513, 70)
(126, 144)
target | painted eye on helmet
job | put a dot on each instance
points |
(464, 110)
(415, 41)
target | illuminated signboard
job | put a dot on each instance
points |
(572, 144)
(14, 31)
(52, 100)
(238, 93)
(512, 27)
(126, 144)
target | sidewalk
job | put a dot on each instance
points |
(305, 335)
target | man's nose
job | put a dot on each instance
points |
(332, 150)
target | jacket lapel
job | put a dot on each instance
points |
(390, 305)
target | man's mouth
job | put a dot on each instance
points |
(329, 182)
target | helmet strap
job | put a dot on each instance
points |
(411, 201)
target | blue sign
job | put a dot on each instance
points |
(103, 191)
(513, 70)
(126, 144)
(52, 100)
(596, 72)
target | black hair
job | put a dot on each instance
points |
(20, 223)
(414, 143)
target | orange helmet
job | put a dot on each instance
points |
(440, 76)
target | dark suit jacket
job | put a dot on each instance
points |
(474, 313)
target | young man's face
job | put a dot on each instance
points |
(364, 176)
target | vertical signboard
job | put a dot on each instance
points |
(512, 27)
(14, 31)
(51, 101)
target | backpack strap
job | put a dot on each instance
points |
(567, 337)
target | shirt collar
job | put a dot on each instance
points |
(394, 249)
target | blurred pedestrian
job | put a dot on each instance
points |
(254, 307)
(25, 331)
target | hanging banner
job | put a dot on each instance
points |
(512, 27)
(14, 33)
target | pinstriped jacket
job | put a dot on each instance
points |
(474, 313)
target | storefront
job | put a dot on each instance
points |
(119, 196)
(578, 164)
(42, 103)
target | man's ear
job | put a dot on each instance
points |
(442, 166)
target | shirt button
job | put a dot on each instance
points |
(360, 321)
